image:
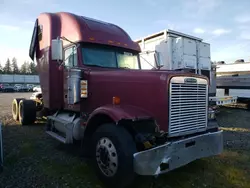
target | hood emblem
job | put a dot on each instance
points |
(190, 80)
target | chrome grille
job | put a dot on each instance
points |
(188, 106)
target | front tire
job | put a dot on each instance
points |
(112, 151)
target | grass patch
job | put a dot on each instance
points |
(230, 169)
(27, 148)
(71, 173)
(32, 159)
(11, 160)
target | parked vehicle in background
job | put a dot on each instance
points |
(25, 88)
(7, 88)
(30, 87)
(21, 88)
(17, 87)
(37, 88)
(130, 121)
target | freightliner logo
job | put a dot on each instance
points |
(190, 80)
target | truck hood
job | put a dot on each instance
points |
(147, 76)
(144, 89)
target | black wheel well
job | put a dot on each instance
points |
(142, 126)
(133, 127)
(95, 122)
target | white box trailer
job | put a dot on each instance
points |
(172, 50)
(234, 79)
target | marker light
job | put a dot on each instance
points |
(116, 100)
(84, 88)
(60, 68)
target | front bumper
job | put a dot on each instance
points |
(175, 154)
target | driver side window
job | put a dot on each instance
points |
(70, 56)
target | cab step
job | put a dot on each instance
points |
(67, 123)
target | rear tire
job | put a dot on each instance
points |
(27, 112)
(15, 108)
(113, 147)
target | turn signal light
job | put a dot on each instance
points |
(116, 100)
(84, 88)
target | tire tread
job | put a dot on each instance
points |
(125, 147)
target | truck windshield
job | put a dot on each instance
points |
(109, 58)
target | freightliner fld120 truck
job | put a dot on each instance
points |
(131, 121)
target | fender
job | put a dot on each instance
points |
(119, 112)
(112, 114)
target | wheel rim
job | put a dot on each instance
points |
(106, 157)
(14, 108)
(21, 110)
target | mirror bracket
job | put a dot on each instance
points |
(57, 49)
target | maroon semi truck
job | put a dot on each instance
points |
(131, 121)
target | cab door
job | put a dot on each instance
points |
(71, 72)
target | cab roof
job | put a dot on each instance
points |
(78, 28)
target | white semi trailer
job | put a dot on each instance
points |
(234, 79)
(173, 50)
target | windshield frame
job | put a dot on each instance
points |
(112, 48)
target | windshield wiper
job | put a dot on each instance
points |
(124, 67)
(108, 67)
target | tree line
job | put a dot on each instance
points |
(11, 67)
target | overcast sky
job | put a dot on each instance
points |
(224, 24)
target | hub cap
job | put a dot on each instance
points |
(106, 157)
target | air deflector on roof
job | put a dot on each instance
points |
(97, 25)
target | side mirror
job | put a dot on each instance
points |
(57, 50)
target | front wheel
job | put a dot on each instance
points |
(112, 150)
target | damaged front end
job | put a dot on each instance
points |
(191, 132)
(178, 152)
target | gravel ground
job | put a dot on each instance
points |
(33, 159)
